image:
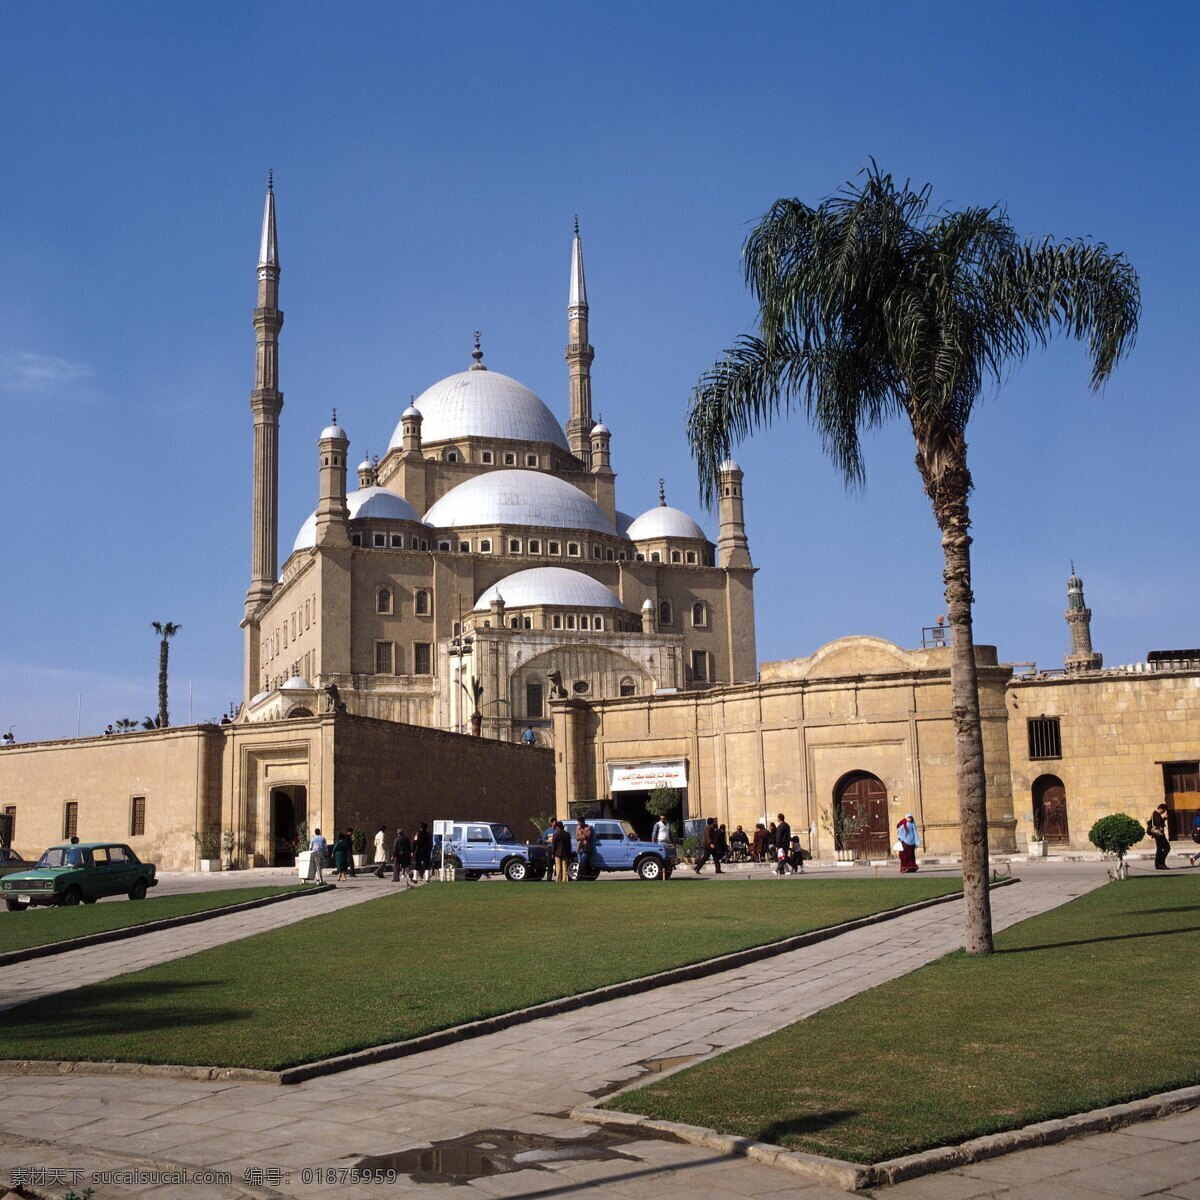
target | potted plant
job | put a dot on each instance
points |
(1115, 835)
(304, 864)
(663, 803)
(358, 848)
(843, 828)
(227, 846)
(208, 843)
(1037, 839)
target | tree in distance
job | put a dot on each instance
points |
(1116, 835)
(874, 307)
(165, 630)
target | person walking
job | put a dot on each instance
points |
(722, 844)
(1157, 828)
(341, 856)
(908, 840)
(662, 831)
(583, 848)
(783, 844)
(317, 847)
(548, 836)
(708, 846)
(528, 738)
(562, 853)
(402, 858)
(423, 852)
(759, 846)
(796, 856)
(350, 854)
(380, 858)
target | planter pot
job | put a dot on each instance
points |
(360, 861)
(844, 856)
(1037, 849)
(304, 866)
(210, 864)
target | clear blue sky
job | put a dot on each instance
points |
(428, 162)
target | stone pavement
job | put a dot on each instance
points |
(525, 1078)
(23, 982)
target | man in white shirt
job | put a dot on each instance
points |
(662, 831)
(381, 856)
(318, 846)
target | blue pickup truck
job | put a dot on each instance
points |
(481, 848)
(615, 847)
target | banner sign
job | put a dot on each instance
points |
(646, 776)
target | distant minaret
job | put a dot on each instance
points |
(265, 402)
(579, 359)
(1079, 618)
(733, 550)
(332, 511)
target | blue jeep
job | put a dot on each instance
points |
(615, 847)
(486, 847)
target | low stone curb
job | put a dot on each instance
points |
(480, 1028)
(854, 1177)
(8, 957)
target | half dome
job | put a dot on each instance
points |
(557, 586)
(365, 502)
(518, 498)
(664, 522)
(483, 404)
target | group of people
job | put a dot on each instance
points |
(557, 840)
(411, 856)
(776, 845)
(340, 856)
(1159, 828)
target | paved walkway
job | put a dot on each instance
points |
(526, 1079)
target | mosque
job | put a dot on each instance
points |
(476, 630)
(481, 566)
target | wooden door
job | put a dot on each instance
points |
(1050, 810)
(1182, 789)
(863, 798)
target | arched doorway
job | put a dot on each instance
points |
(862, 798)
(1050, 810)
(289, 807)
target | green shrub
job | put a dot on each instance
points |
(1115, 834)
(209, 842)
(358, 841)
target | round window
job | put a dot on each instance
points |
(580, 686)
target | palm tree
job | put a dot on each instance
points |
(126, 724)
(165, 630)
(476, 690)
(873, 307)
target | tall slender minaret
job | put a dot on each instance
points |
(579, 356)
(733, 550)
(265, 402)
(1079, 620)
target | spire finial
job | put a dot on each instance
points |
(576, 224)
(477, 355)
(334, 421)
(1072, 566)
(662, 493)
(270, 179)
(268, 247)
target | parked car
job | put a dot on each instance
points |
(487, 847)
(616, 847)
(79, 873)
(11, 861)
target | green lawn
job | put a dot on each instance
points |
(41, 926)
(405, 965)
(1056, 1022)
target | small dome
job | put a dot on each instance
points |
(365, 465)
(624, 520)
(602, 429)
(647, 605)
(410, 413)
(259, 696)
(729, 465)
(376, 502)
(483, 404)
(518, 498)
(334, 431)
(664, 522)
(549, 585)
(297, 683)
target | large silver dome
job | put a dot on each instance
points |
(518, 498)
(365, 502)
(483, 404)
(663, 522)
(549, 585)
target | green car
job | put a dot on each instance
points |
(80, 873)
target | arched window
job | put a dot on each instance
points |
(665, 616)
(383, 600)
(421, 603)
(699, 614)
(584, 623)
(655, 556)
(676, 556)
(628, 687)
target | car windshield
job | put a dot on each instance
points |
(629, 833)
(502, 833)
(62, 856)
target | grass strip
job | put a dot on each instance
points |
(406, 965)
(1088, 1005)
(44, 926)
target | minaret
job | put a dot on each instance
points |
(733, 550)
(265, 402)
(579, 356)
(1079, 619)
(333, 515)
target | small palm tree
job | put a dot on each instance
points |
(476, 689)
(165, 630)
(126, 724)
(150, 723)
(873, 308)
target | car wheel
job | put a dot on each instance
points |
(139, 890)
(15, 906)
(454, 863)
(473, 875)
(516, 870)
(650, 867)
(71, 897)
(572, 871)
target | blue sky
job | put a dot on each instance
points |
(428, 162)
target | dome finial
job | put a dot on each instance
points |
(576, 224)
(477, 355)
(270, 180)
(334, 421)
(662, 493)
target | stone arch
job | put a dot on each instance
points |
(862, 797)
(1048, 798)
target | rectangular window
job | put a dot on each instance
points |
(485, 545)
(464, 547)
(535, 547)
(307, 615)
(514, 545)
(691, 557)
(573, 549)
(1045, 737)
(379, 539)
(70, 819)
(486, 456)
(531, 460)
(552, 548)
(443, 546)
(534, 701)
(10, 811)
(510, 460)
(570, 620)
(700, 665)
(356, 539)
(558, 620)
(397, 540)
(596, 551)
(422, 662)
(137, 816)
(676, 556)
(385, 658)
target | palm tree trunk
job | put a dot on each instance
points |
(948, 485)
(162, 684)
